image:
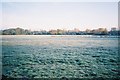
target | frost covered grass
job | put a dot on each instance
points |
(60, 56)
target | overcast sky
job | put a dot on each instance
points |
(62, 15)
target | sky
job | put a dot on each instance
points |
(62, 15)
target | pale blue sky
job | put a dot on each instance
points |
(63, 15)
(59, 0)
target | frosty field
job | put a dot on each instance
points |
(56, 56)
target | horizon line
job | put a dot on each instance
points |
(117, 28)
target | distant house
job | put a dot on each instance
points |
(53, 32)
(114, 29)
(100, 31)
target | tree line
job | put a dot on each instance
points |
(20, 31)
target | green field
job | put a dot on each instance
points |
(55, 56)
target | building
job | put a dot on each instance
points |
(53, 32)
(113, 29)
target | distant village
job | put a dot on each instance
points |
(75, 31)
